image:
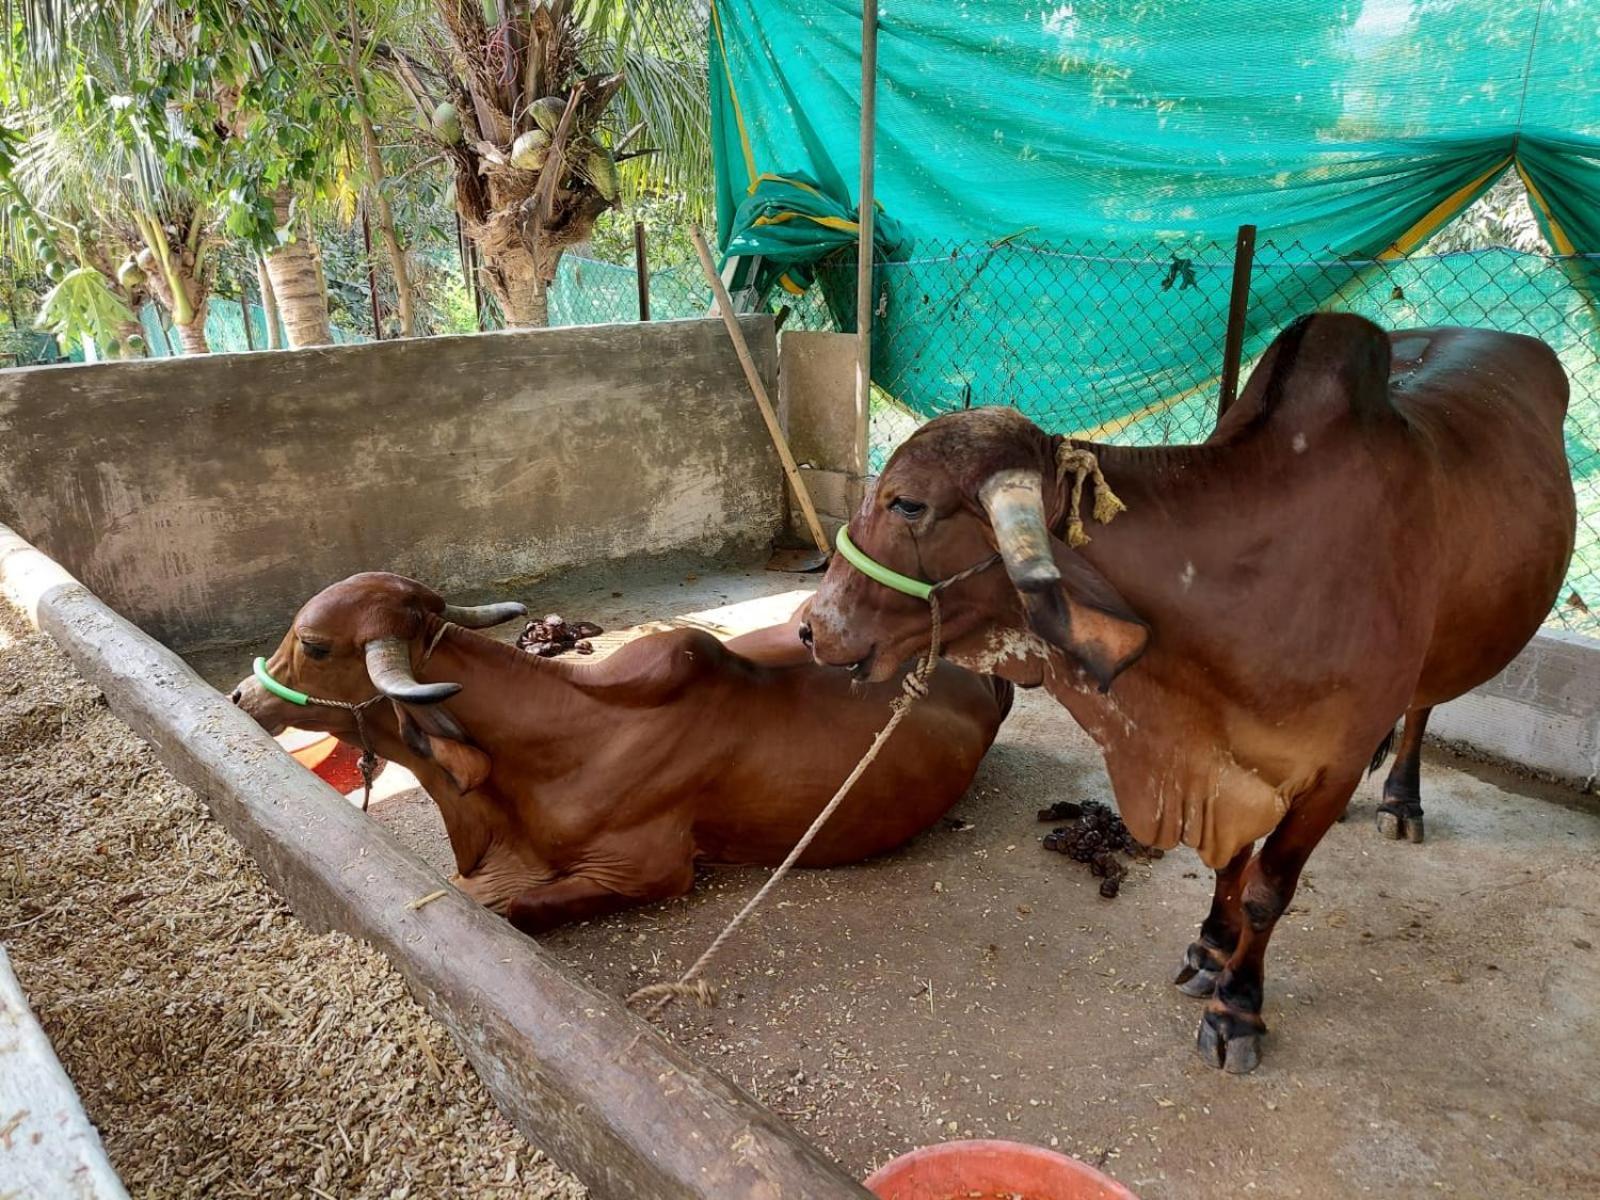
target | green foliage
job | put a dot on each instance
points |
(666, 228)
(124, 116)
(82, 309)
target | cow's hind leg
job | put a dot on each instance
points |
(1231, 1029)
(1205, 958)
(1400, 813)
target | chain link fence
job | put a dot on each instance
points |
(1124, 343)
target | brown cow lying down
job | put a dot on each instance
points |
(571, 789)
(1377, 525)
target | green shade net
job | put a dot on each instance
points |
(1350, 129)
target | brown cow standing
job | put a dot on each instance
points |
(572, 789)
(1377, 525)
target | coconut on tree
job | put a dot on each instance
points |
(532, 132)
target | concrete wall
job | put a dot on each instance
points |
(207, 498)
(1542, 712)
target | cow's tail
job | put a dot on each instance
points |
(1384, 747)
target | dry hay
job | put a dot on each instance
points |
(220, 1047)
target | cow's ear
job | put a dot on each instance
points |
(435, 735)
(1087, 619)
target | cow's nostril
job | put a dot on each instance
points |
(237, 695)
(805, 633)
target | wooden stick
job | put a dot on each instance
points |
(757, 388)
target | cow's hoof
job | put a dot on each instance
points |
(1229, 1042)
(1399, 820)
(1197, 974)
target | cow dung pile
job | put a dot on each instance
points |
(556, 635)
(1095, 835)
(221, 1047)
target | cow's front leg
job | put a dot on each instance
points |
(580, 898)
(1231, 1029)
(1205, 958)
(633, 867)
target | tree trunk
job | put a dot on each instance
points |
(192, 337)
(191, 334)
(386, 229)
(516, 282)
(297, 284)
(269, 307)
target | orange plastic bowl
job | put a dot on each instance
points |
(991, 1170)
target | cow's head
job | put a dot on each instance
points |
(961, 488)
(361, 638)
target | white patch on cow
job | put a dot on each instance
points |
(824, 612)
(1187, 577)
(1129, 725)
(1002, 646)
(1299, 443)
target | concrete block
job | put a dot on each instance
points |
(816, 400)
(1542, 712)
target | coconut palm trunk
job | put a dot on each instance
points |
(192, 337)
(524, 297)
(524, 124)
(188, 318)
(179, 277)
(297, 286)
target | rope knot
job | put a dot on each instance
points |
(701, 991)
(914, 686)
(1082, 465)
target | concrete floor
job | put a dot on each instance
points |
(1434, 1010)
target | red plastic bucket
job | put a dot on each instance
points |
(991, 1170)
(333, 761)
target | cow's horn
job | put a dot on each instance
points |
(481, 616)
(389, 667)
(1014, 501)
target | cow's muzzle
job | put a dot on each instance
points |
(261, 707)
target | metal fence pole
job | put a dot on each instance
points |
(1244, 253)
(641, 268)
(864, 212)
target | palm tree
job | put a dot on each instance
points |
(88, 303)
(182, 97)
(535, 136)
(91, 175)
(331, 45)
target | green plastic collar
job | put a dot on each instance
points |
(276, 688)
(879, 573)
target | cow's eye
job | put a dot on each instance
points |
(909, 509)
(315, 649)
